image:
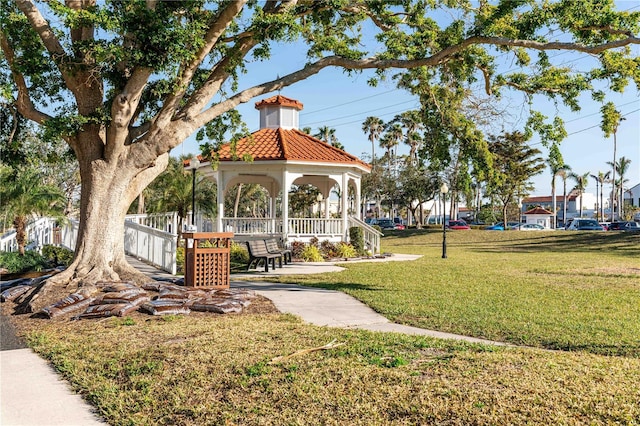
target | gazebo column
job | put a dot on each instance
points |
(285, 205)
(360, 214)
(344, 200)
(327, 207)
(273, 211)
(220, 200)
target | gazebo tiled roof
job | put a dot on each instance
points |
(538, 210)
(280, 101)
(288, 145)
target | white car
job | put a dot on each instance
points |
(580, 224)
(530, 227)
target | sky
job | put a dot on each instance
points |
(342, 102)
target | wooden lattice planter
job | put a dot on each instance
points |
(207, 259)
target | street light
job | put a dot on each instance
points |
(443, 190)
(194, 163)
(519, 211)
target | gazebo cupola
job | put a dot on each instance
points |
(279, 112)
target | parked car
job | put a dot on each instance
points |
(624, 226)
(385, 224)
(500, 226)
(585, 225)
(529, 227)
(605, 225)
(458, 225)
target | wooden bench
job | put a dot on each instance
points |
(273, 247)
(258, 251)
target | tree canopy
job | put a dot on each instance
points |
(125, 82)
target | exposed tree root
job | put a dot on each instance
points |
(74, 279)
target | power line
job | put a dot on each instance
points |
(348, 103)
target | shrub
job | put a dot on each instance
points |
(311, 253)
(180, 259)
(31, 261)
(346, 250)
(297, 247)
(356, 237)
(328, 249)
(57, 256)
(239, 254)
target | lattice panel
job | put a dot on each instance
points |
(212, 268)
(208, 260)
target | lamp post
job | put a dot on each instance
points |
(443, 190)
(194, 163)
(519, 212)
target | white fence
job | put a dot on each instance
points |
(150, 245)
(39, 233)
(158, 247)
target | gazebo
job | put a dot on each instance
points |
(540, 216)
(277, 156)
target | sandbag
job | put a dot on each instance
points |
(115, 286)
(108, 310)
(165, 307)
(235, 293)
(135, 299)
(219, 306)
(13, 293)
(72, 302)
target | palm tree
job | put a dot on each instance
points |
(373, 126)
(556, 164)
(395, 136)
(600, 179)
(611, 119)
(413, 140)
(172, 191)
(410, 121)
(581, 185)
(328, 135)
(563, 172)
(622, 166)
(24, 195)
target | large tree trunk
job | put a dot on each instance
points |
(108, 191)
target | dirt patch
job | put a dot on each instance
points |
(617, 271)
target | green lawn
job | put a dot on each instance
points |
(555, 290)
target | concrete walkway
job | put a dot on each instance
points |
(33, 394)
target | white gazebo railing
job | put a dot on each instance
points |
(371, 235)
(158, 247)
(316, 227)
(250, 226)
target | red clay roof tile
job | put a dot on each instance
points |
(292, 145)
(279, 100)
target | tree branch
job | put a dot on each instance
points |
(23, 102)
(123, 109)
(220, 24)
(369, 63)
(50, 41)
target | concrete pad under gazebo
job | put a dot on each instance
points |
(277, 156)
